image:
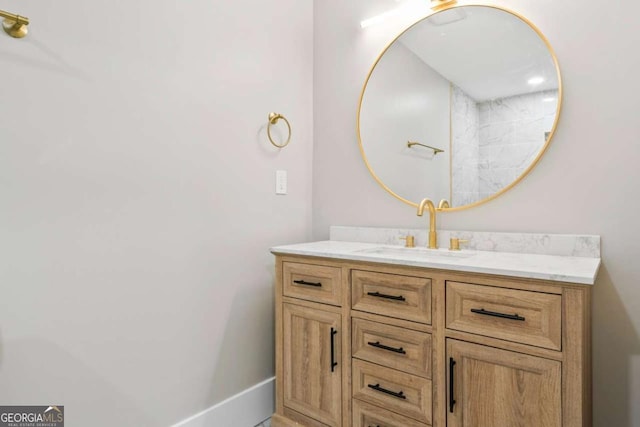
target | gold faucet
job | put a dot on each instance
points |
(433, 237)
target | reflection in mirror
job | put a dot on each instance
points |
(478, 83)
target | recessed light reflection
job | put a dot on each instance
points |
(379, 18)
(404, 9)
(549, 99)
(535, 80)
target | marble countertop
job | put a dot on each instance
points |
(571, 269)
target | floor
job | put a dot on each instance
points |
(265, 423)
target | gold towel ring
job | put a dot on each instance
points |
(273, 119)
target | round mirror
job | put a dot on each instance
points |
(460, 106)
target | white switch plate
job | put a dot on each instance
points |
(281, 182)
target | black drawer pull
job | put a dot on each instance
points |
(376, 387)
(303, 282)
(379, 295)
(385, 347)
(452, 401)
(496, 314)
(333, 356)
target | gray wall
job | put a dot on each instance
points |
(137, 201)
(587, 181)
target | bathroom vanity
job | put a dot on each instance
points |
(459, 108)
(369, 334)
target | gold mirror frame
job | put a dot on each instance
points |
(535, 161)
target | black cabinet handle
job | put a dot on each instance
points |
(376, 387)
(496, 314)
(452, 401)
(333, 346)
(385, 347)
(304, 282)
(379, 295)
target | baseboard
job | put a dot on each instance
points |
(246, 409)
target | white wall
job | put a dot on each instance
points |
(586, 182)
(404, 102)
(137, 201)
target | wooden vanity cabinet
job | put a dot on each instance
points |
(490, 387)
(310, 337)
(312, 378)
(366, 344)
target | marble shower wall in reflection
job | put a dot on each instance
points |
(510, 133)
(465, 148)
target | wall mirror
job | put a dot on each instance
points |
(460, 106)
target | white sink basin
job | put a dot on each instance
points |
(415, 252)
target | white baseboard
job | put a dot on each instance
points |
(246, 409)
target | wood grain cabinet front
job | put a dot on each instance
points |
(393, 295)
(527, 317)
(392, 346)
(312, 374)
(319, 283)
(489, 387)
(366, 415)
(371, 345)
(398, 392)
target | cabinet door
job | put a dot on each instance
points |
(489, 387)
(312, 365)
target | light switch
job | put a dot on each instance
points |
(281, 182)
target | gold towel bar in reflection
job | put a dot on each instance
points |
(273, 119)
(435, 150)
(14, 25)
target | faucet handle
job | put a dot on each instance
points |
(454, 243)
(410, 241)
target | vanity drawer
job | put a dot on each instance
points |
(366, 415)
(526, 317)
(397, 391)
(318, 283)
(404, 297)
(391, 346)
